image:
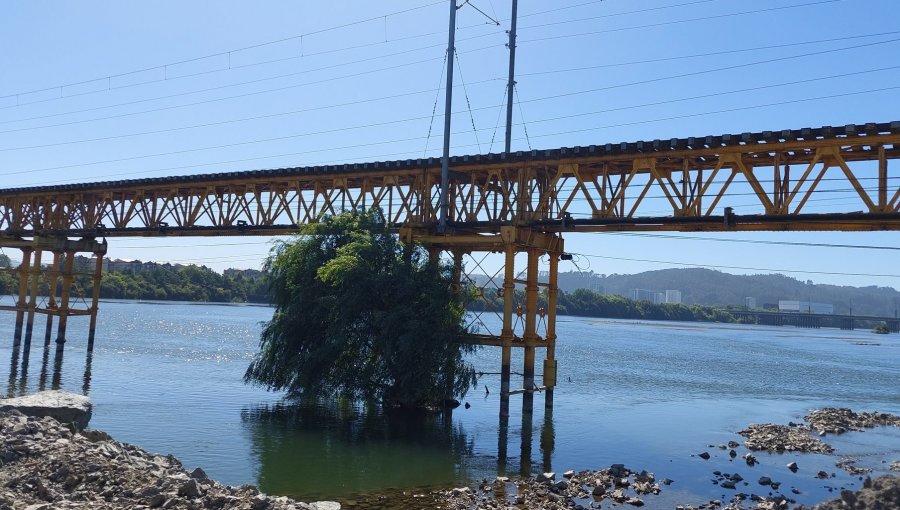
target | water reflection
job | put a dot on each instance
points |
(341, 450)
(20, 363)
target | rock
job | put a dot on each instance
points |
(545, 477)
(618, 470)
(792, 466)
(822, 475)
(635, 502)
(880, 493)
(190, 489)
(727, 484)
(63, 406)
(839, 420)
(737, 478)
(199, 474)
(895, 466)
(733, 444)
(704, 455)
(569, 474)
(750, 459)
(330, 505)
(765, 480)
(598, 491)
(781, 438)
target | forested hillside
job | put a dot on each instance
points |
(709, 287)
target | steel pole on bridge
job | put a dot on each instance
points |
(511, 85)
(448, 105)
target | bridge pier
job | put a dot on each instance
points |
(522, 319)
(31, 275)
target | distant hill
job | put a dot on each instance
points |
(709, 287)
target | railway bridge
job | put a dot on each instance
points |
(509, 203)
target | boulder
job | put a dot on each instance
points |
(63, 406)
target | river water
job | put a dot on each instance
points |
(651, 395)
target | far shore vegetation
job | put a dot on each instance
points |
(174, 282)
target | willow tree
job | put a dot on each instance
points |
(360, 315)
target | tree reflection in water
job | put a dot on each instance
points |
(344, 450)
(334, 449)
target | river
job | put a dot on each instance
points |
(651, 395)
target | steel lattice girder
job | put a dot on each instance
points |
(679, 184)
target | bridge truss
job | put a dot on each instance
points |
(829, 178)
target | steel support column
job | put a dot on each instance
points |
(507, 334)
(95, 299)
(550, 360)
(67, 276)
(32, 298)
(23, 289)
(530, 336)
(53, 280)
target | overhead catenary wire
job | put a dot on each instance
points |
(468, 102)
(221, 53)
(665, 23)
(518, 100)
(742, 268)
(753, 241)
(408, 153)
(355, 75)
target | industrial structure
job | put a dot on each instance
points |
(510, 203)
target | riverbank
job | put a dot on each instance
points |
(45, 465)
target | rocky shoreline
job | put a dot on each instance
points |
(46, 464)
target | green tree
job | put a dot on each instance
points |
(360, 315)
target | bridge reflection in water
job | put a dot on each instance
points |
(50, 376)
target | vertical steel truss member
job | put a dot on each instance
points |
(509, 242)
(32, 275)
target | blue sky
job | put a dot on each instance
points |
(366, 92)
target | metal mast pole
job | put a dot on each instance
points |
(448, 106)
(512, 75)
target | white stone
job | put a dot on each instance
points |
(63, 406)
(325, 505)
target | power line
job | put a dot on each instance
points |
(219, 54)
(754, 241)
(583, 130)
(743, 268)
(708, 54)
(153, 110)
(556, 96)
(715, 69)
(665, 23)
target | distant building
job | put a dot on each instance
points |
(643, 295)
(673, 297)
(804, 307)
(750, 302)
(655, 297)
(122, 266)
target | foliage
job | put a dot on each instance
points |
(715, 288)
(361, 316)
(179, 283)
(881, 329)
